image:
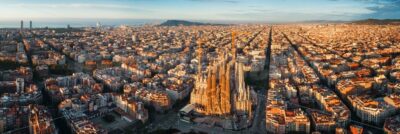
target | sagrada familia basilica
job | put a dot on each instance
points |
(220, 89)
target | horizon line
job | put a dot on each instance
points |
(233, 22)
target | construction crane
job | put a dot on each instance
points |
(233, 39)
(233, 45)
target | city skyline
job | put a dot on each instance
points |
(203, 10)
(200, 66)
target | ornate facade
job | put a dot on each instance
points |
(220, 90)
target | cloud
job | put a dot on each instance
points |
(72, 10)
(383, 9)
(210, 9)
(260, 13)
(76, 5)
(224, 1)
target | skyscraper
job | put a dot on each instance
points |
(22, 25)
(30, 25)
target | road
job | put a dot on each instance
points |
(259, 117)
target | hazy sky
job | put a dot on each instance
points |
(229, 10)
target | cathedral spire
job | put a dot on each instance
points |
(225, 92)
(200, 56)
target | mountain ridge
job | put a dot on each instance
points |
(185, 23)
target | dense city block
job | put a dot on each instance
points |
(288, 78)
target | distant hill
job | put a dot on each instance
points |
(378, 22)
(184, 23)
(322, 21)
(359, 22)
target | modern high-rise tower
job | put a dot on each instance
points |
(30, 25)
(22, 25)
